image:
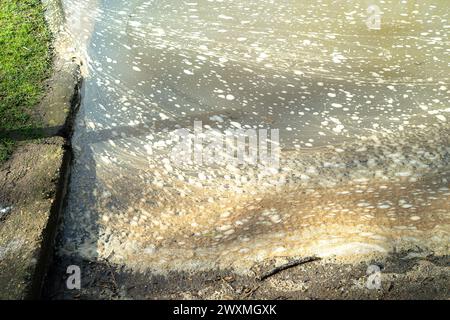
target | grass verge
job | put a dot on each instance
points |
(25, 61)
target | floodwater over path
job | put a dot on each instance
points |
(361, 112)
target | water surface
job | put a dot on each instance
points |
(362, 116)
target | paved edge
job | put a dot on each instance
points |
(61, 103)
(23, 272)
(44, 256)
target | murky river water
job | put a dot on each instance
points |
(362, 115)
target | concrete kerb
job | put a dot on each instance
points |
(27, 233)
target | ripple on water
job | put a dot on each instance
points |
(362, 117)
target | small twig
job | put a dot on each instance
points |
(288, 265)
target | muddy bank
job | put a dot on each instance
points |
(403, 275)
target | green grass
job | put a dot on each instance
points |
(25, 62)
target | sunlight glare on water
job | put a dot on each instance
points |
(362, 115)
